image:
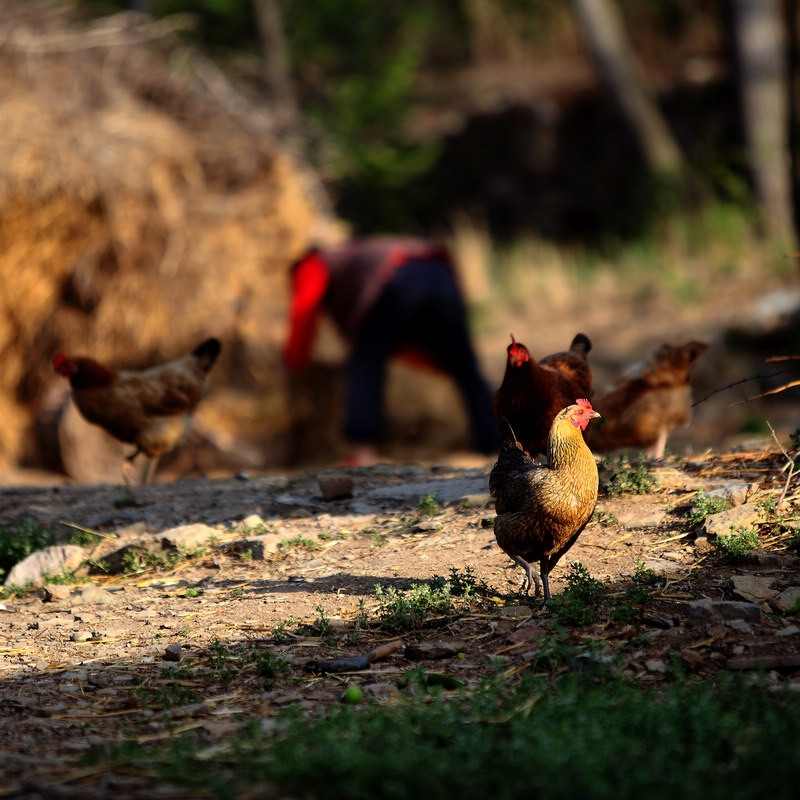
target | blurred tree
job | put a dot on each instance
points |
(604, 30)
(759, 53)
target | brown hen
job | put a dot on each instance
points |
(541, 509)
(532, 392)
(151, 408)
(650, 400)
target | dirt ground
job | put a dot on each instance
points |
(277, 568)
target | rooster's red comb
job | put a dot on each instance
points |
(584, 403)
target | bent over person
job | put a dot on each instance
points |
(387, 296)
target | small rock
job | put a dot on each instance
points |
(95, 594)
(753, 588)
(477, 500)
(381, 691)
(252, 521)
(788, 597)
(661, 565)
(80, 636)
(744, 516)
(55, 591)
(692, 658)
(702, 545)
(526, 633)
(739, 625)
(736, 493)
(789, 631)
(705, 610)
(188, 537)
(656, 621)
(780, 560)
(655, 665)
(335, 487)
(173, 652)
(427, 525)
(431, 650)
(516, 612)
(51, 560)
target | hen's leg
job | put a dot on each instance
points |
(530, 575)
(657, 448)
(546, 582)
(149, 470)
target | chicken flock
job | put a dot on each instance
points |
(543, 408)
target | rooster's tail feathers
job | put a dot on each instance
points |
(206, 353)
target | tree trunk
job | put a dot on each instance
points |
(763, 89)
(605, 33)
(277, 74)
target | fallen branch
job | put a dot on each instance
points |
(737, 383)
(790, 460)
(783, 388)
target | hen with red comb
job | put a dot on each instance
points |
(541, 509)
(532, 392)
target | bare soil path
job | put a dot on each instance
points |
(274, 568)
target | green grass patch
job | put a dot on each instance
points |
(732, 548)
(579, 737)
(626, 478)
(704, 506)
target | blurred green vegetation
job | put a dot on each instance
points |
(366, 72)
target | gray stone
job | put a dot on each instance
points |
(335, 487)
(50, 561)
(172, 653)
(427, 525)
(788, 597)
(431, 650)
(188, 537)
(640, 515)
(735, 493)
(252, 522)
(96, 595)
(752, 588)
(726, 522)
(709, 610)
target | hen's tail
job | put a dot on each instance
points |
(581, 344)
(206, 353)
(511, 461)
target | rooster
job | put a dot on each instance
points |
(541, 509)
(651, 399)
(532, 392)
(151, 409)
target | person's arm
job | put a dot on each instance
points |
(309, 282)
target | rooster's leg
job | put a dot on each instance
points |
(530, 575)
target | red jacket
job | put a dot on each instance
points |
(345, 282)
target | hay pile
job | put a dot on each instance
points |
(145, 205)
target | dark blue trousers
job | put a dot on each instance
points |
(422, 307)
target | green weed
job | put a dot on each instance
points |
(401, 611)
(578, 604)
(428, 506)
(299, 542)
(625, 478)
(704, 506)
(732, 548)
